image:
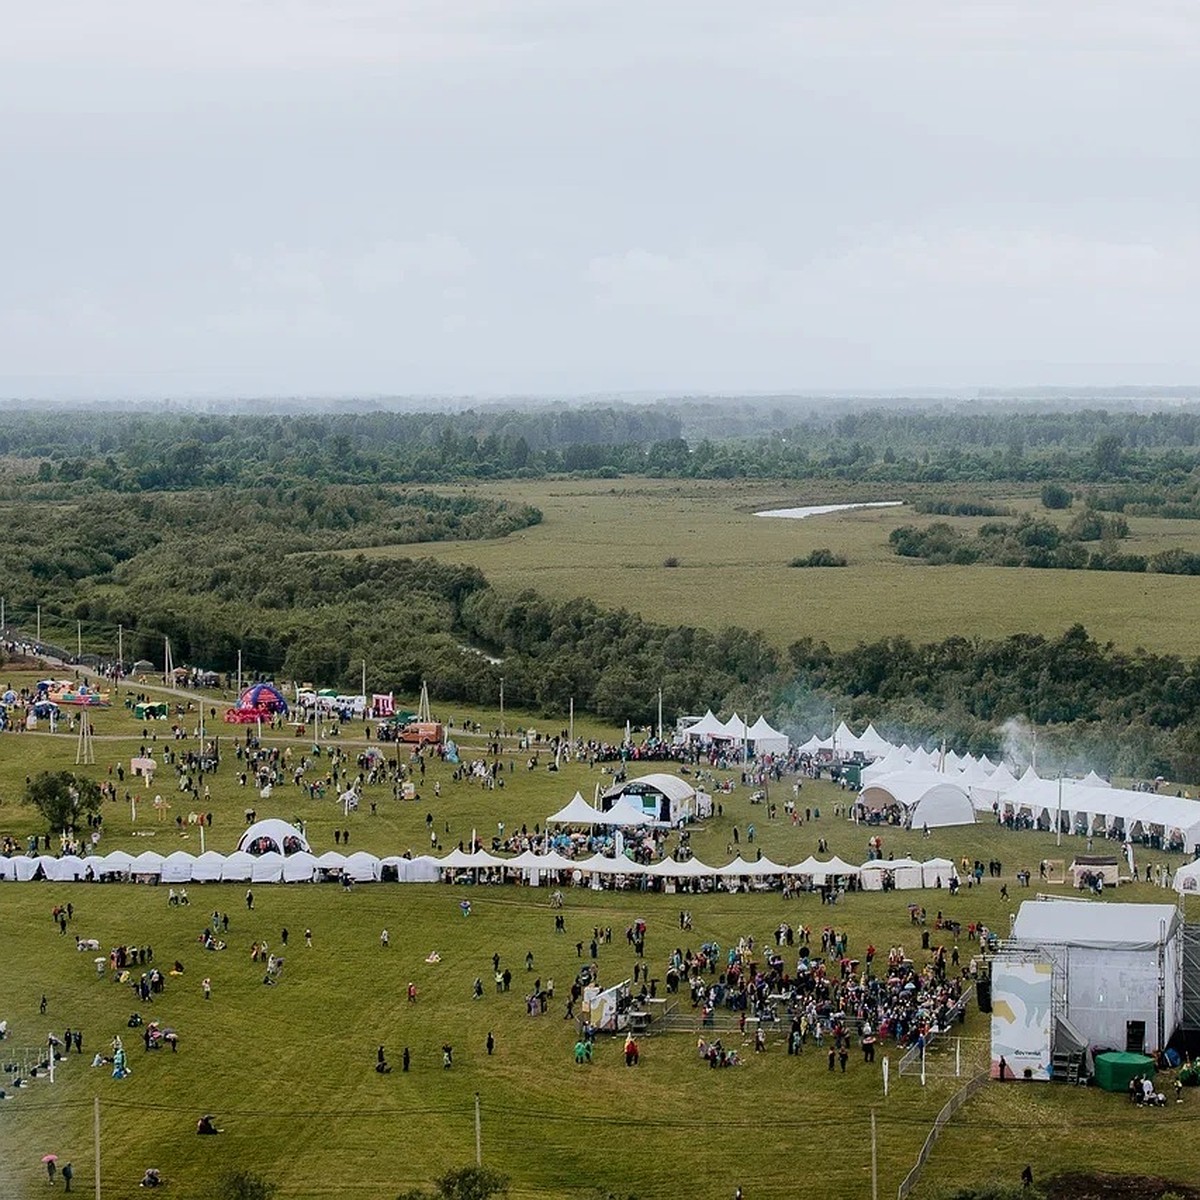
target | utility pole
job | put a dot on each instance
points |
(96, 1140)
(571, 723)
(1058, 815)
(478, 1135)
(239, 677)
(501, 705)
(120, 657)
(874, 1161)
(39, 626)
(78, 640)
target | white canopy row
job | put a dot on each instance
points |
(303, 867)
(758, 734)
(1091, 805)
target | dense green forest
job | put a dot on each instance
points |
(214, 531)
(1155, 452)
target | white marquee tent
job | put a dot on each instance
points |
(267, 868)
(661, 798)
(905, 873)
(178, 866)
(766, 740)
(362, 867)
(300, 867)
(577, 812)
(237, 867)
(207, 867)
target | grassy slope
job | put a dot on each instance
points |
(608, 540)
(288, 1070)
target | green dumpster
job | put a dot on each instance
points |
(1114, 1070)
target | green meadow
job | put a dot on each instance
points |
(609, 540)
(287, 1070)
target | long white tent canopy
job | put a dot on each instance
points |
(361, 867)
(929, 786)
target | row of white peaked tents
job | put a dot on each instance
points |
(937, 789)
(181, 867)
(758, 734)
(844, 742)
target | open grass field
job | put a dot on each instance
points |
(287, 1070)
(608, 540)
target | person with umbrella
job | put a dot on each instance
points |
(51, 1161)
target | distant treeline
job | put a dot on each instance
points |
(139, 451)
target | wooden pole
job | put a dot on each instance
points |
(478, 1135)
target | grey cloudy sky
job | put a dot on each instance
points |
(489, 196)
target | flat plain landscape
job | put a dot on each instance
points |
(609, 540)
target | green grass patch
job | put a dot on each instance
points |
(608, 541)
(288, 1070)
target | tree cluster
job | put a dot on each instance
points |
(1034, 542)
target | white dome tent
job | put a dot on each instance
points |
(925, 798)
(273, 834)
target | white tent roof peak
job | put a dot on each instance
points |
(762, 728)
(577, 812)
(709, 725)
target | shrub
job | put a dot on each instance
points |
(671, 561)
(1054, 495)
(960, 508)
(820, 558)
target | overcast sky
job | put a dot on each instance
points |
(547, 196)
